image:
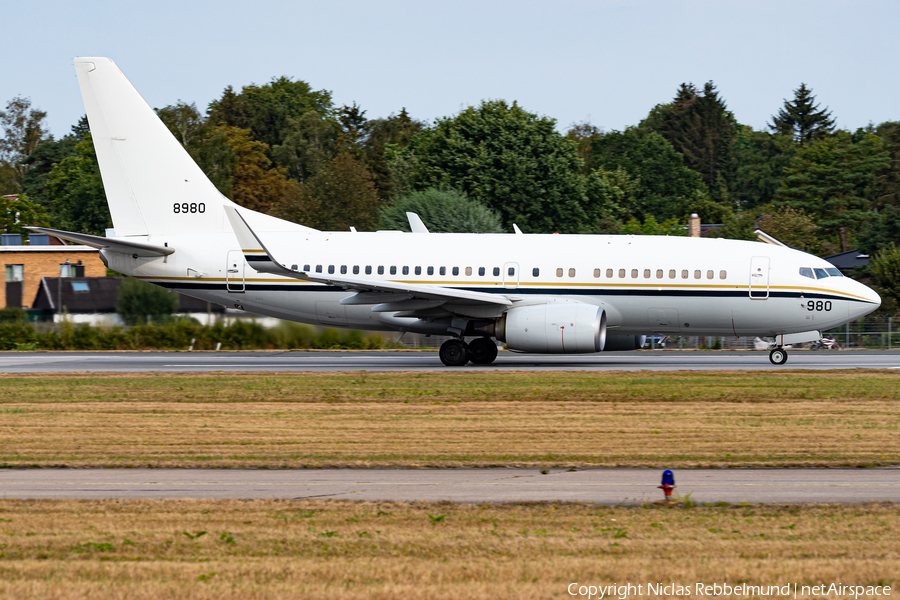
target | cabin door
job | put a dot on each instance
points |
(234, 272)
(511, 275)
(759, 277)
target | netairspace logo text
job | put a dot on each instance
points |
(628, 590)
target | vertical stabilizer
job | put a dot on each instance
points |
(148, 177)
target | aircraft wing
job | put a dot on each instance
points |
(261, 259)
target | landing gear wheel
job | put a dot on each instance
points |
(482, 351)
(778, 356)
(454, 353)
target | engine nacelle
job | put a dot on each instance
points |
(557, 328)
(621, 343)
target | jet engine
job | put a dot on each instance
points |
(624, 342)
(557, 328)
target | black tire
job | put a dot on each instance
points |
(482, 351)
(454, 353)
(778, 356)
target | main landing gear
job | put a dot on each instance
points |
(778, 356)
(456, 353)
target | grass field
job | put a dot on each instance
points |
(341, 550)
(490, 418)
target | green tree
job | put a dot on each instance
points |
(254, 183)
(23, 130)
(699, 125)
(802, 119)
(832, 179)
(880, 230)
(584, 134)
(885, 266)
(48, 153)
(386, 137)
(310, 141)
(18, 211)
(513, 161)
(141, 302)
(888, 180)
(761, 159)
(75, 192)
(265, 110)
(342, 194)
(651, 226)
(791, 226)
(666, 184)
(442, 211)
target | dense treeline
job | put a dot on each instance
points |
(286, 149)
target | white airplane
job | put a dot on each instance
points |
(536, 293)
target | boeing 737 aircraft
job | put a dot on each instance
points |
(536, 293)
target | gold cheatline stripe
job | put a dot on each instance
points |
(245, 251)
(600, 287)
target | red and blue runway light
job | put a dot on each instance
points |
(668, 483)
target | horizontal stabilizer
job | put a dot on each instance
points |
(104, 243)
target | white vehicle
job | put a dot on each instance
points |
(536, 293)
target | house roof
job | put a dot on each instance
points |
(848, 259)
(96, 295)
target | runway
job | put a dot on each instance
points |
(660, 360)
(604, 486)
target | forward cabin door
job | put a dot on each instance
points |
(511, 275)
(759, 277)
(234, 272)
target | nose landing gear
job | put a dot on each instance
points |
(456, 353)
(778, 356)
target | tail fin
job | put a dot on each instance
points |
(152, 184)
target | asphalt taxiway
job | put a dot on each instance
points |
(604, 486)
(661, 360)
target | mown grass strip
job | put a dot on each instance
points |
(490, 418)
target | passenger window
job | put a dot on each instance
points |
(430, 270)
(443, 270)
(368, 269)
(646, 273)
(293, 267)
(356, 269)
(621, 273)
(318, 268)
(609, 273)
(807, 272)
(697, 274)
(380, 270)
(393, 270)
(306, 268)
(511, 271)
(535, 272)
(455, 271)
(330, 269)
(481, 271)
(596, 273)
(496, 271)
(820, 273)
(343, 269)
(834, 273)
(634, 273)
(571, 272)
(722, 274)
(659, 273)
(671, 273)
(418, 270)
(684, 274)
(710, 274)
(559, 272)
(468, 271)
(406, 270)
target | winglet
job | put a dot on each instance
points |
(516, 229)
(255, 252)
(415, 223)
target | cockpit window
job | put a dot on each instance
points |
(807, 272)
(820, 273)
(834, 272)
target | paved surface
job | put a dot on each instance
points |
(606, 486)
(36, 362)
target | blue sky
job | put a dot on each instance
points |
(608, 62)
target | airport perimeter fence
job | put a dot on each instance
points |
(873, 332)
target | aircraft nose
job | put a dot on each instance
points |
(871, 303)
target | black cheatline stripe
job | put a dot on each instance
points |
(293, 287)
(257, 258)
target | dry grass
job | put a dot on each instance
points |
(676, 419)
(333, 549)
